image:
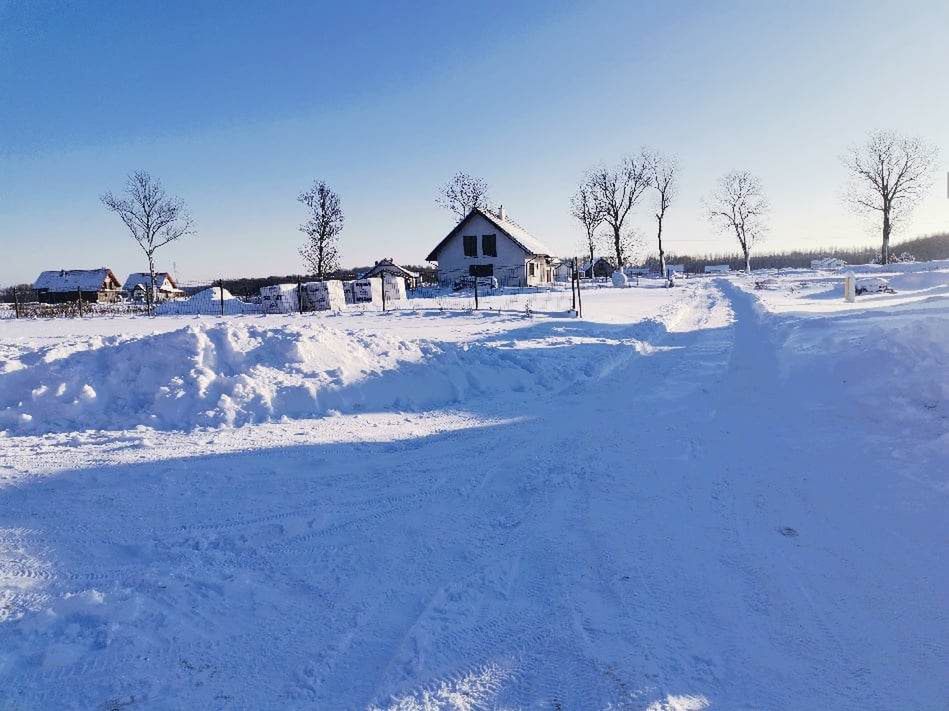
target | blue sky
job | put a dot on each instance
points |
(239, 106)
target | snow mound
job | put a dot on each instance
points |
(873, 285)
(208, 302)
(211, 375)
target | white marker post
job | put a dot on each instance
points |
(850, 288)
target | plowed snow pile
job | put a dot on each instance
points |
(213, 375)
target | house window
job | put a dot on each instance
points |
(489, 245)
(530, 269)
(471, 245)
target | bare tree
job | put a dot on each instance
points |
(615, 192)
(585, 209)
(739, 205)
(663, 173)
(890, 173)
(462, 194)
(152, 217)
(321, 250)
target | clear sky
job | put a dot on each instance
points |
(237, 107)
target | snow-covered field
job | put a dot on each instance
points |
(714, 496)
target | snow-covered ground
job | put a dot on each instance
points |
(713, 496)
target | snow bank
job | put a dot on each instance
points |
(893, 368)
(208, 375)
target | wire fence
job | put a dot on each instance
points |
(217, 300)
(539, 290)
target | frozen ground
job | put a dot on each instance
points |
(714, 496)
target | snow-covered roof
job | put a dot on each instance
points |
(163, 280)
(387, 265)
(60, 280)
(517, 234)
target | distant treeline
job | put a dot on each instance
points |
(922, 249)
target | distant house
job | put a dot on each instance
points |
(95, 285)
(136, 286)
(601, 267)
(675, 269)
(489, 244)
(564, 270)
(717, 268)
(389, 267)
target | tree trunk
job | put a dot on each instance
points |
(662, 255)
(151, 283)
(887, 228)
(618, 247)
(747, 260)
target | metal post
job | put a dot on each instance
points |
(300, 295)
(79, 294)
(221, 292)
(16, 303)
(573, 286)
(383, 278)
(476, 292)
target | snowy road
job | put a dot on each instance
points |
(697, 522)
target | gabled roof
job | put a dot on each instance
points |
(144, 278)
(389, 266)
(517, 234)
(61, 280)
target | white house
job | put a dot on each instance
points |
(717, 269)
(488, 244)
(136, 286)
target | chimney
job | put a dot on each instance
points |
(501, 213)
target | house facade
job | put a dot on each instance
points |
(489, 244)
(92, 285)
(137, 284)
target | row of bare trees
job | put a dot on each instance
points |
(889, 174)
(607, 197)
(154, 218)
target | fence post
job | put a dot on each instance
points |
(476, 292)
(383, 278)
(579, 298)
(79, 295)
(573, 286)
(16, 303)
(300, 295)
(221, 292)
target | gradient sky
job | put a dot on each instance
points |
(237, 107)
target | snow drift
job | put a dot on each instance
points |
(208, 375)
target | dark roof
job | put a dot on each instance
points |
(65, 280)
(513, 231)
